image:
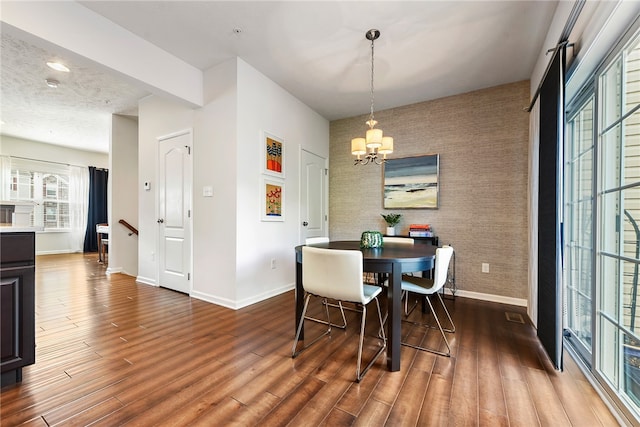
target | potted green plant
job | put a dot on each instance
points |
(392, 220)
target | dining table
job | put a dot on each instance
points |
(393, 259)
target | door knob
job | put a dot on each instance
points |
(305, 223)
(160, 221)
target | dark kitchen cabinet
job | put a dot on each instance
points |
(17, 304)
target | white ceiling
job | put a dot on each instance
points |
(315, 50)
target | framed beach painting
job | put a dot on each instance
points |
(272, 155)
(272, 200)
(411, 182)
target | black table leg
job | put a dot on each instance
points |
(394, 333)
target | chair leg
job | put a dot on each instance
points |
(342, 309)
(295, 353)
(361, 341)
(407, 312)
(361, 374)
(324, 322)
(444, 337)
(446, 311)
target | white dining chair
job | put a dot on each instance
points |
(337, 274)
(427, 287)
(316, 240)
(313, 241)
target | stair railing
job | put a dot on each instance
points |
(131, 228)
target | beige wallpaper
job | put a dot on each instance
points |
(482, 140)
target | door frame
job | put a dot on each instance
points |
(189, 198)
(325, 194)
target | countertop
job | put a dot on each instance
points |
(8, 228)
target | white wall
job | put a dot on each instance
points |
(157, 117)
(214, 164)
(232, 247)
(265, 106)
(52, 242)
(123, 197)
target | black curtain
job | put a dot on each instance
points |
(97, 206)
(549, 209)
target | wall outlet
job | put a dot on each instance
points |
(485, 267)
(273, 263)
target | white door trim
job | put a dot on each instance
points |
(325, 196)
(159, 140)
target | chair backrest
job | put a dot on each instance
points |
(315, 240)
(406, 240)
(333, 273)
(443, 257)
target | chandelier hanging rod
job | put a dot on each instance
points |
(374, 140)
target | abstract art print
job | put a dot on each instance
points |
(273, 155)
(272, 200)
(411, 182)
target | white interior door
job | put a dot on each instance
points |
(313, 197)
(174, 211)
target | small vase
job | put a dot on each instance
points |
(371, 240)
(391, 231)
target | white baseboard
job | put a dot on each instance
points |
(146, 280)
(224, 302)
(266, 295)
(112, 270)
(235, 305)
(56, 252)
(489, 297)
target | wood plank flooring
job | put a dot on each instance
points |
(112, 352)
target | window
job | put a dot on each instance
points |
(579, 230)
(602, 218)
(618, 323)
(48, 186)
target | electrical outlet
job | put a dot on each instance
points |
(273, 263)
(485, 267)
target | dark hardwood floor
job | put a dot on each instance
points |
(113, 352)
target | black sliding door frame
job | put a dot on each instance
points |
(550, 204)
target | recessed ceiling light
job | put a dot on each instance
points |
(52, 83)
(58, 66)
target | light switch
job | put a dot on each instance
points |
(207, 191)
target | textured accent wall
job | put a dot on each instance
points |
(482, 139)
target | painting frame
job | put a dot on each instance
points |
(411, 182)
(272, 205)
(273, 155)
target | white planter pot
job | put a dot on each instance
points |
(391, 231)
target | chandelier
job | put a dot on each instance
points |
(374, 141)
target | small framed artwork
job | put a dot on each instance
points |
(272, 193)
(272, 155)
(411, 182)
